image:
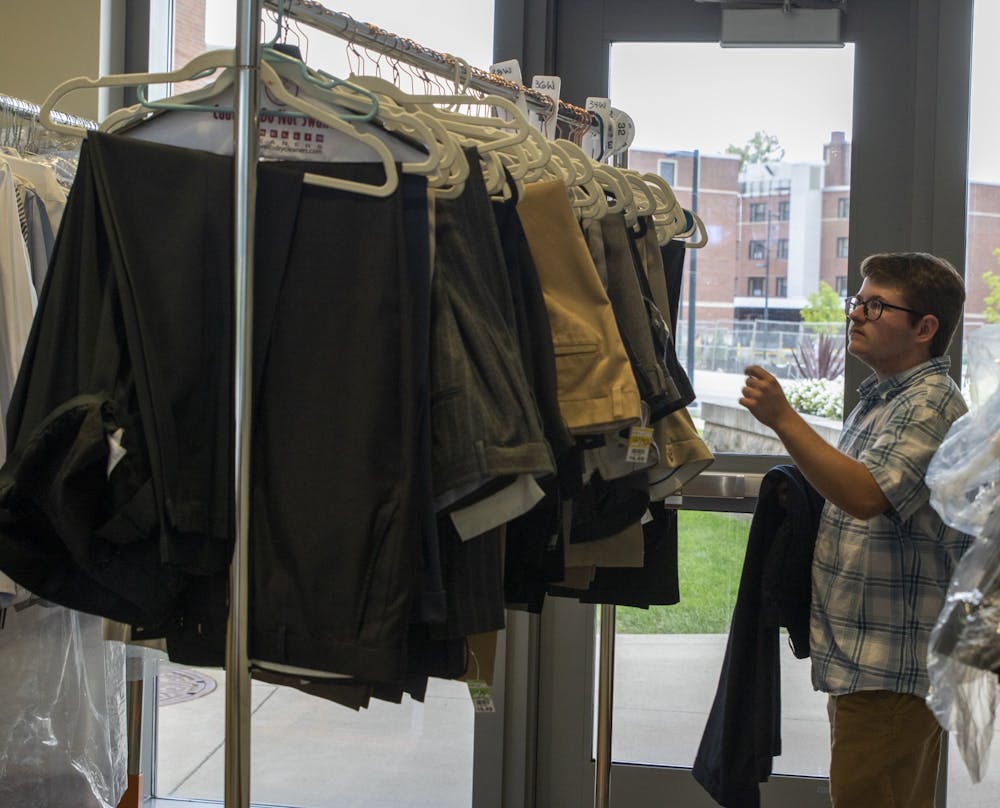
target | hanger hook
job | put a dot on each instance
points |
(278, 21)
(461, 66)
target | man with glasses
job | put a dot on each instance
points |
(883, 557)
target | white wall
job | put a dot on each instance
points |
(46, 42)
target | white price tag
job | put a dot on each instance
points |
(624, 130)
(598, 144)
(550, 86)
(511, 71)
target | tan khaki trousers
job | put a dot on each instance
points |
(885, 749)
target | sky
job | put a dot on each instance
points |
(699, 95)
(673, 92)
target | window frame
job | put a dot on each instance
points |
(661, 164)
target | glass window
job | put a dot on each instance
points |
(844, 207)
(982, 257)
(841, 285)
(982, 268)
(668, 658)
(667, 169)
(842, 247)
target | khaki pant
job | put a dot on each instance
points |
(597, 390)
(885, 749)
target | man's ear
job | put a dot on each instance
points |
(927, 328)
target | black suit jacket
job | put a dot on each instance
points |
(743, 732)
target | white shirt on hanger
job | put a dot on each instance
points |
(17, 308)
(44, 180)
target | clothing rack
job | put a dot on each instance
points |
(445, 65)
(29, 111)
(237, 737)
(315, 15)
(16, 109)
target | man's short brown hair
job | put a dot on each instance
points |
(929, 284)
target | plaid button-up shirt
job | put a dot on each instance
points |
(879, 584)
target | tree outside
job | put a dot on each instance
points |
(761, 148)
(992, 299)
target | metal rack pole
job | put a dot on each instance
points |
(237, 739)
(605, 706)
(606, 678)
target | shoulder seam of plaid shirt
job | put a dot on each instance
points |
(879, 585)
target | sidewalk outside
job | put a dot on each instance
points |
(310, 753)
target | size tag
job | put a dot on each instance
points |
(511, 71)
(624, 130)
(550, 86)
(482, 697)
(599, 144)
(640, 439)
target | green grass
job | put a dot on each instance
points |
(710, 556)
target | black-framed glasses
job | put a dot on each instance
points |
(873, 307)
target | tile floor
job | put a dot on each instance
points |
(314, 754)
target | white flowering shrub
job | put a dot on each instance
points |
(823, 397)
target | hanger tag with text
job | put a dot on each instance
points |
(550, 86)
(599, 144)
(640, 439)
(624, 130)
(511, 71)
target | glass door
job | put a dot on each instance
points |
(761, 151)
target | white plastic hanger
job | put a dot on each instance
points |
(196, 68)
(444, 165)
(669, 217)
(270, 79)
(212, 60)
(487, 133)
(699, 227)
(645, 203)
(473, 125)
(613, 183)
(341, 96)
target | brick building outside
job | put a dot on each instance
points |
(777, 229)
